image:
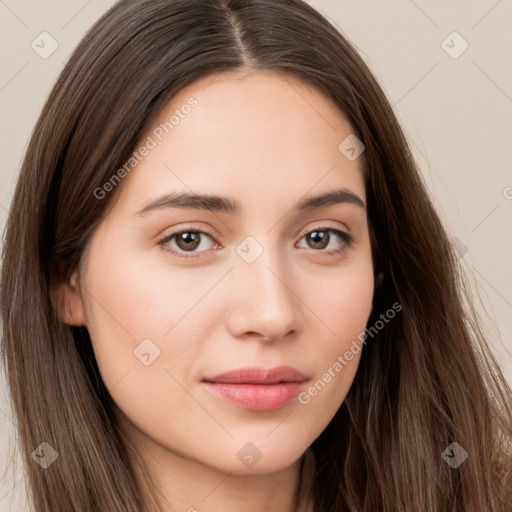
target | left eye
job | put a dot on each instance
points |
(321, 237)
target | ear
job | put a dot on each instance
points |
(67, 301)
(379, 279)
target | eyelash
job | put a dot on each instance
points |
(348, 241)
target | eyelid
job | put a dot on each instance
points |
(324, 226)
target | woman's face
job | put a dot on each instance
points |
(261, 278)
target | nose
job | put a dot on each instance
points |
(265, 304)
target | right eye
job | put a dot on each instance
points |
(185, 241)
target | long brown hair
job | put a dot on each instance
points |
(426, 380)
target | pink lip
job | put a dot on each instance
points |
(258, 388)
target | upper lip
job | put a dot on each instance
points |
(256, 375)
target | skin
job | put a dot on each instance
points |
(266, 142)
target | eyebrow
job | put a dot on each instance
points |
(213, 203)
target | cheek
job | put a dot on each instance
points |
(343, 306)
(139, 332)
(336, 357)
(124, 311)
(144, 320)
(342, 303)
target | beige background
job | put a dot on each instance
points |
(457, 113)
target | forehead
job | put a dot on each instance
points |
(249, 135)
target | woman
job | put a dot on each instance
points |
(225, 287)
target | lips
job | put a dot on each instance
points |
(256, 375)
(258, 389)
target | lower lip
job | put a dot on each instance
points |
(259, 397)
